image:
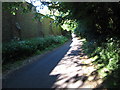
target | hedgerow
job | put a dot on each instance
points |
(12, 51)
(107, 61)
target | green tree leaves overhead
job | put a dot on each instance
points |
(99, 19)
(13, 7)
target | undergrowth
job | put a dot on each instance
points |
(107, 61)
(16, 50)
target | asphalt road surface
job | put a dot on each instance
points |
(37, 74)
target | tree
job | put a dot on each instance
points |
(13, 7)
(95, 20)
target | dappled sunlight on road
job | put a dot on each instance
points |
(75, 69)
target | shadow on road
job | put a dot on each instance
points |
(69, 69)
(64, 67)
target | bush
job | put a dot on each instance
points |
(12, 51)
(108, 61)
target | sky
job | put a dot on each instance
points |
(44, 10)
(40, 8)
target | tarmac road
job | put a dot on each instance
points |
(37, 74)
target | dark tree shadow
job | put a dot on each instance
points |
(111, 81)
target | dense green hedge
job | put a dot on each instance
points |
(12, 51)
(107, 61)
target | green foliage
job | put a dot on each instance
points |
(95, 20)
(107, 61)
(69, 25)
(84, 29)
(13, 7)
(98, 23)
(17, 49)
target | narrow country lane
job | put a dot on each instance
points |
(61, 68)
(36, 74)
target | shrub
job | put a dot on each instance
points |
(12, 51)
(108, 61)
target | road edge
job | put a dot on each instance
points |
(32, 59)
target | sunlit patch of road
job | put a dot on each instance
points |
(73, 73)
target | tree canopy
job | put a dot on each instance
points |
(91, 20)
(94, 19)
